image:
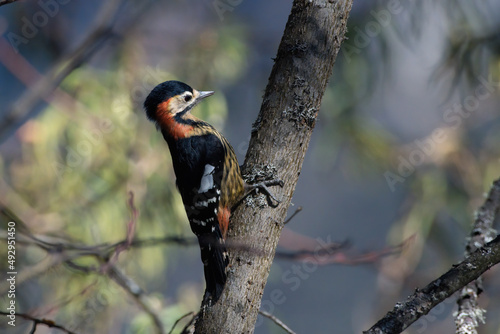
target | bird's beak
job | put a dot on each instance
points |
(205, 94)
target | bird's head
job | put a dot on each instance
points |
(172, 98)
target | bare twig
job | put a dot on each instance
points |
(293, 215)
(309, 250)
(482, 255)
(422, 301)
(323, 252)
(127, 283)
(277, 321)
(137, 293)
(189, 328)
(50, 244)
(469, 314)
(326, 253)
(65, 300)
(178, 320)
(64, 252)
(131, 227)
(5, 2)
(36, 321)
(45, 85)
(48, 263)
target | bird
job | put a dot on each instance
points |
(207, 172)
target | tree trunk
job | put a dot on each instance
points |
(280, 137)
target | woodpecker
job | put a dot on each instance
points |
(207, 171)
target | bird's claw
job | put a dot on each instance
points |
(263, 186)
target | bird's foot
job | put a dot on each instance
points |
(263, 187)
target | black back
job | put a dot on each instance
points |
(190, 156)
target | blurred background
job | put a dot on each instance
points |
(406, 144)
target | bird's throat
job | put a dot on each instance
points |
(176, 126)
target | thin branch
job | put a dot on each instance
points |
(36, 321)
(277, 321)
(65, 252)
(53, 244)
(5, 2)
(322, 252)
(65, 301)
(33, 329)
(178, 320)
(335, 254)
(311, 250)
(190, 326)
(422, 301)
(293, 215)
(150, 242)
(50, 262)
(131, 227)
(127, 283)
(137, 293)
(46, 84)
(480, 258)
(469, 314)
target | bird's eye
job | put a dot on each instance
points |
(188, 98)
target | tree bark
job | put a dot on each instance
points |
(482, 253)
(470, 314)
(424, 300)
(280, 137)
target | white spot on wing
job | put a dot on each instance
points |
(199, 222)
(207, 180)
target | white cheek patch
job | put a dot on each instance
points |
(207, 180)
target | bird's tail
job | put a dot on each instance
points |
(215, 261)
